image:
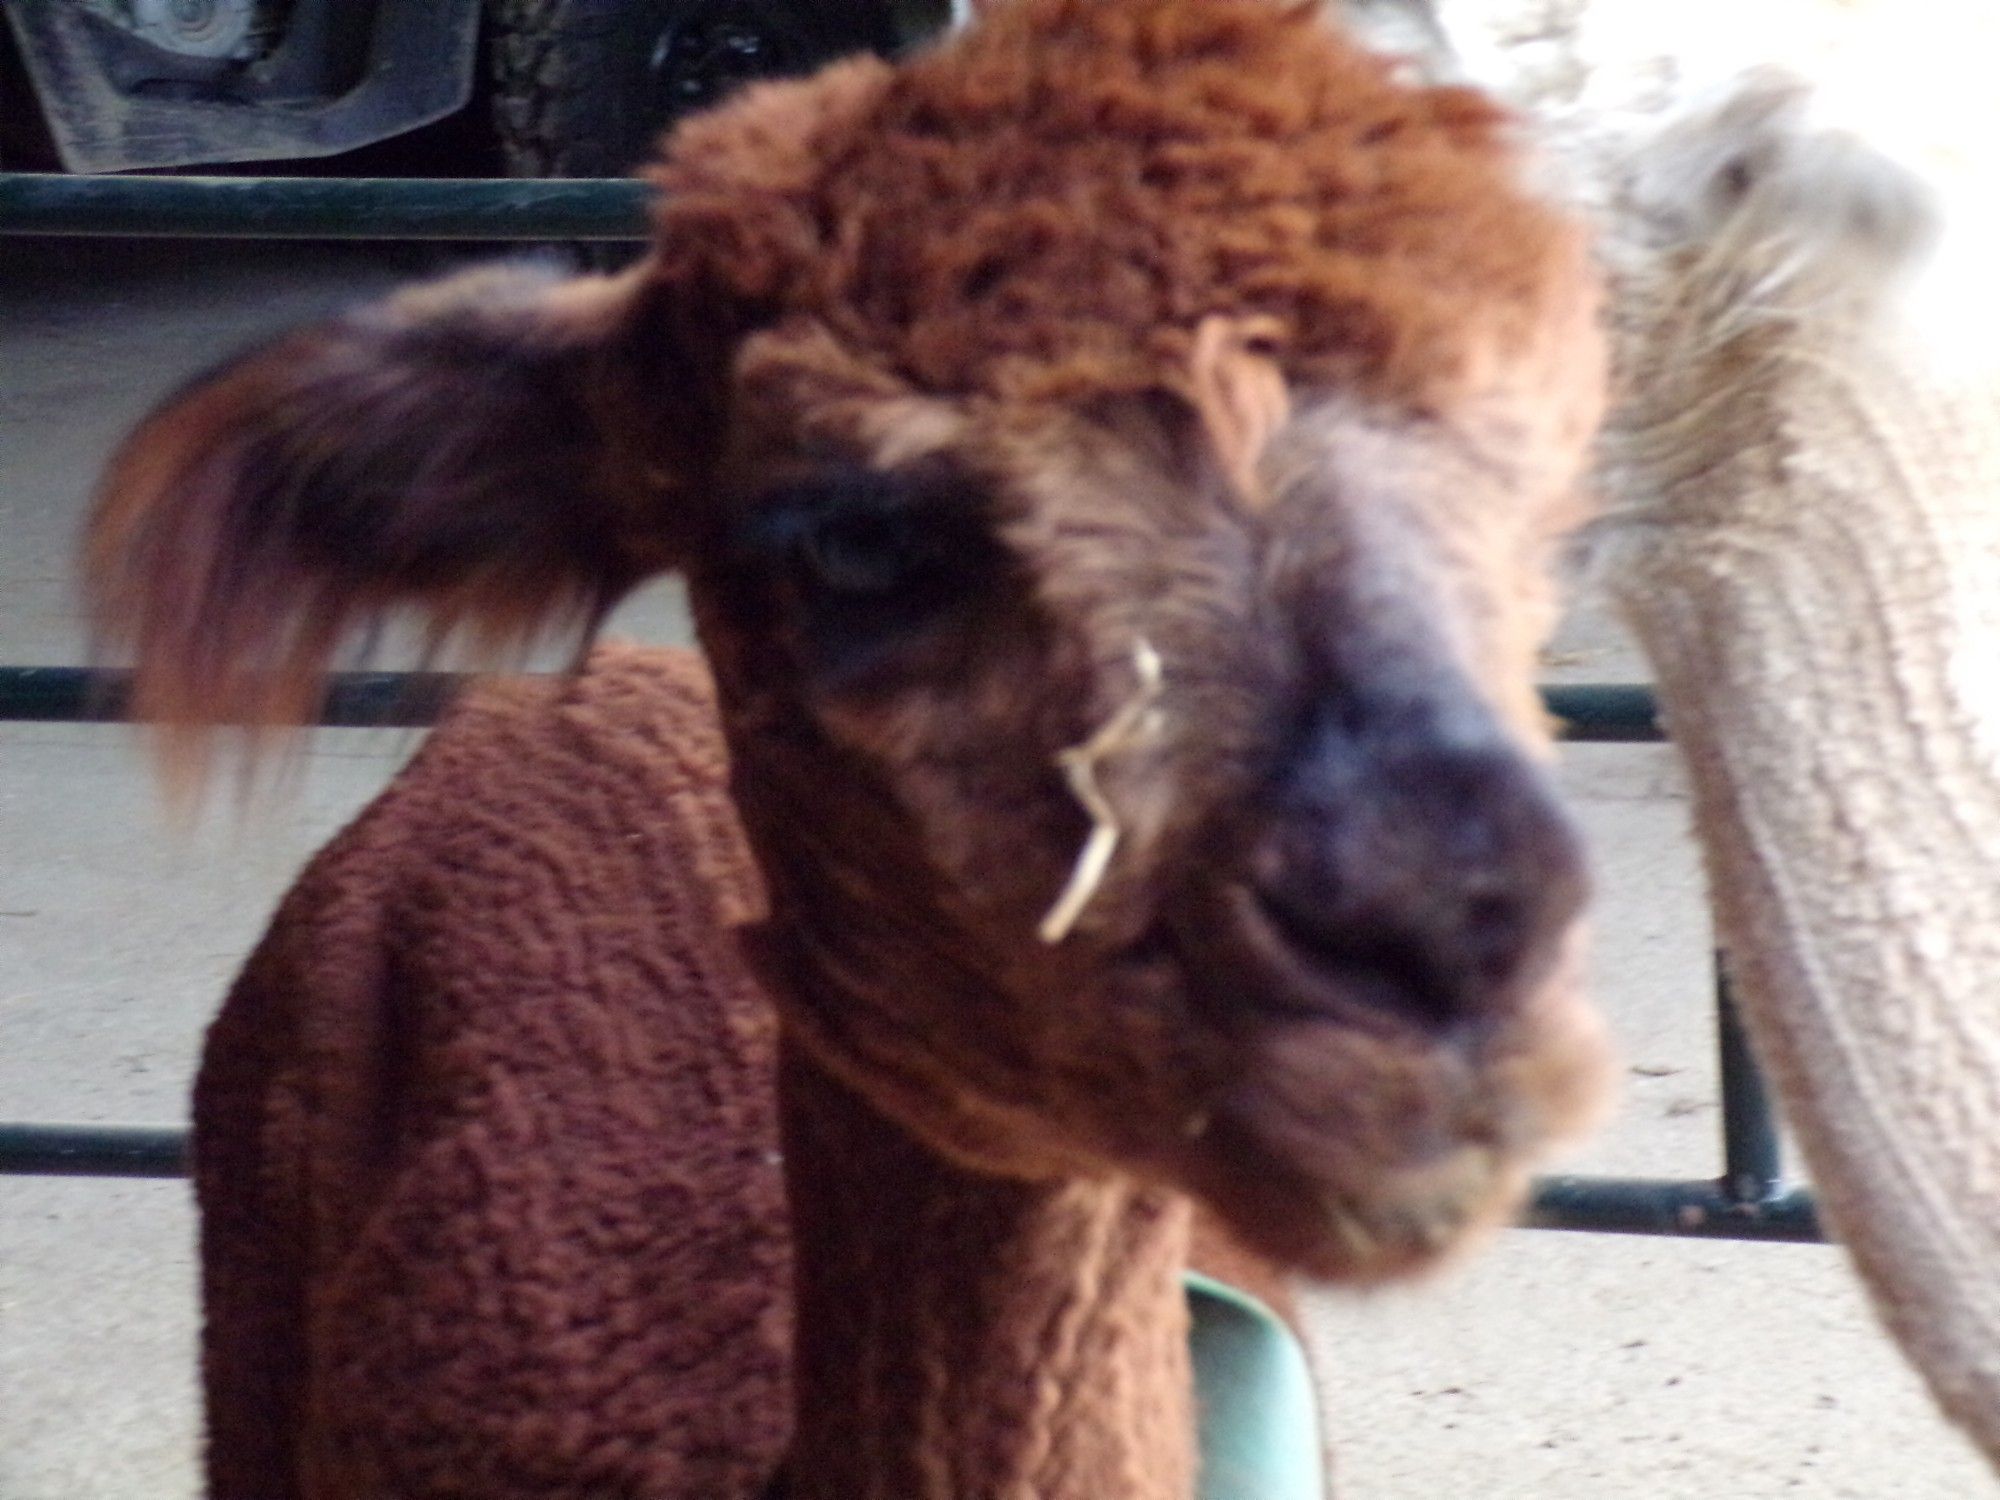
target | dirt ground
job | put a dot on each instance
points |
(1552, 1366)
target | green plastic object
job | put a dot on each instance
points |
(1258, 1420)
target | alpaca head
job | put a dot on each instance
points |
(1754, 243)
(1136, 421)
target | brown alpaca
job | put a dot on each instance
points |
(1153, 364)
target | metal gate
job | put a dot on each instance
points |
(1750, 1200)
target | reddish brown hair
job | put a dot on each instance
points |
(1053, 203)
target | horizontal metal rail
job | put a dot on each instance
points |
(1693, 1210)
(1605, 713)
(1605, 1205)
(323, 208)
(354, 700)
(1590, 713)
(50, 1150)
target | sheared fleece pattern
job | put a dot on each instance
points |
(486, 1137)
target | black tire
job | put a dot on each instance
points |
(584, 88)
(25, 142)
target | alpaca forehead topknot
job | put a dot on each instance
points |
(1051, 204)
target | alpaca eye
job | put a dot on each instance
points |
(871, 568)
(863, 552)
(1733, 182)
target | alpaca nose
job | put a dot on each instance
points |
(1420, 866)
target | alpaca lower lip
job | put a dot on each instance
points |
(1409, 1214)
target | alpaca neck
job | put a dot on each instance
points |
(965, 1337)
(1825, 623)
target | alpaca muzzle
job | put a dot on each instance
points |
(1413, 868)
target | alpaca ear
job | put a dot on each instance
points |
(470, 448)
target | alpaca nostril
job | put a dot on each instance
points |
(1438, 885)
(1425, 949)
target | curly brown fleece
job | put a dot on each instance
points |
(486, 1133)
(1135, 168)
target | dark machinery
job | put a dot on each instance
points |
(578, 87)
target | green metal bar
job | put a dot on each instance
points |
(354, 700)
(1605, 713)
(1608, 1205)
(28, 1150)
(1695, 1210)
(1752, 1150)
(1590, 714)
(324, 208)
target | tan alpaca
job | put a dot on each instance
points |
(1137, 429)
(1804, 531)
(1799, 471)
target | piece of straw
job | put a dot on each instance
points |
(1135, 722)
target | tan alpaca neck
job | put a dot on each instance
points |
(963, 1337)
(1821, 599)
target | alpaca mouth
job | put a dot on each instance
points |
(1256, 960)
(1371, 979)
(1378, 1108)
(1341, 1217)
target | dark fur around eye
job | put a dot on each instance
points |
(868, 564)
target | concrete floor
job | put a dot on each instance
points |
(1552, 1366)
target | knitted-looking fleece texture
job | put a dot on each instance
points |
(1808, 548)
(486, 1137)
